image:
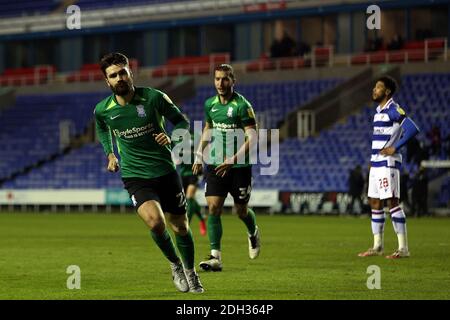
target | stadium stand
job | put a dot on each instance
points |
(315, 165)
(188, 66)
(28, 7)
(91, 72)
(101, 4)
(272, 101)
(80, 168)
(27, 76)
(33, 124)
(310, 165)
(286, 95)
(444, 194)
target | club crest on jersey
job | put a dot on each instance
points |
(140, 110)
(230, 112)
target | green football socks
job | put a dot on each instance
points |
(250, 221)
(185, 245)
(214, 231)
(165, 243)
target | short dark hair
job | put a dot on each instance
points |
(110, 59)
(226, 68)
(390, 83)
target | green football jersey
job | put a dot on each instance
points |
(224, 119)
(133, 127)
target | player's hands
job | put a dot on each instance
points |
(197, 169)
(389, 151)
(162, 139)
(113, 163)
(223, 169)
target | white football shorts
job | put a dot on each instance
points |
(384, 183)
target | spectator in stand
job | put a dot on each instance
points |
(435, 136)
(303, 48)
(416, 152)
(413, 149)
(396, 43)
(356, 186)
(420, 193)
(404, 196)
(446, 145)
(284, 47)
(374, 45)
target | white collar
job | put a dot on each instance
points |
(379, 108)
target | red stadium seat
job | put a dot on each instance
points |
(190, 65)
(287, 63)
(158, 73)
(360, 59)
(397, 56)
(28, 76)
(378, 57)
(268, 65)
(414, 55)
(253, 66)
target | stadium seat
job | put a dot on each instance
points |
(309, 165)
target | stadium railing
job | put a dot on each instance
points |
(135, 12)
(91, 72)
(415, 51)
(27, 76)
(320, 56)
(195, 65)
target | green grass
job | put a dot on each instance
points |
(301, 258)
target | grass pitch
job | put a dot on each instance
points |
(301, 258)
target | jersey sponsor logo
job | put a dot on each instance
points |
(230, 112)
(141, 111)
(224, 126)
(115, 117)
(214, 110)
(134, 132)
(379, 130)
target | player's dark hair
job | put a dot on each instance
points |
(110, 59)
(226, 68)
(390, 83)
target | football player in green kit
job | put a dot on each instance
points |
(135, 117)
(229, 169)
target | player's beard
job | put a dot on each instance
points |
(121, 89)
(225, 93)
(378, 99)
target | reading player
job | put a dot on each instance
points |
(391, 130)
